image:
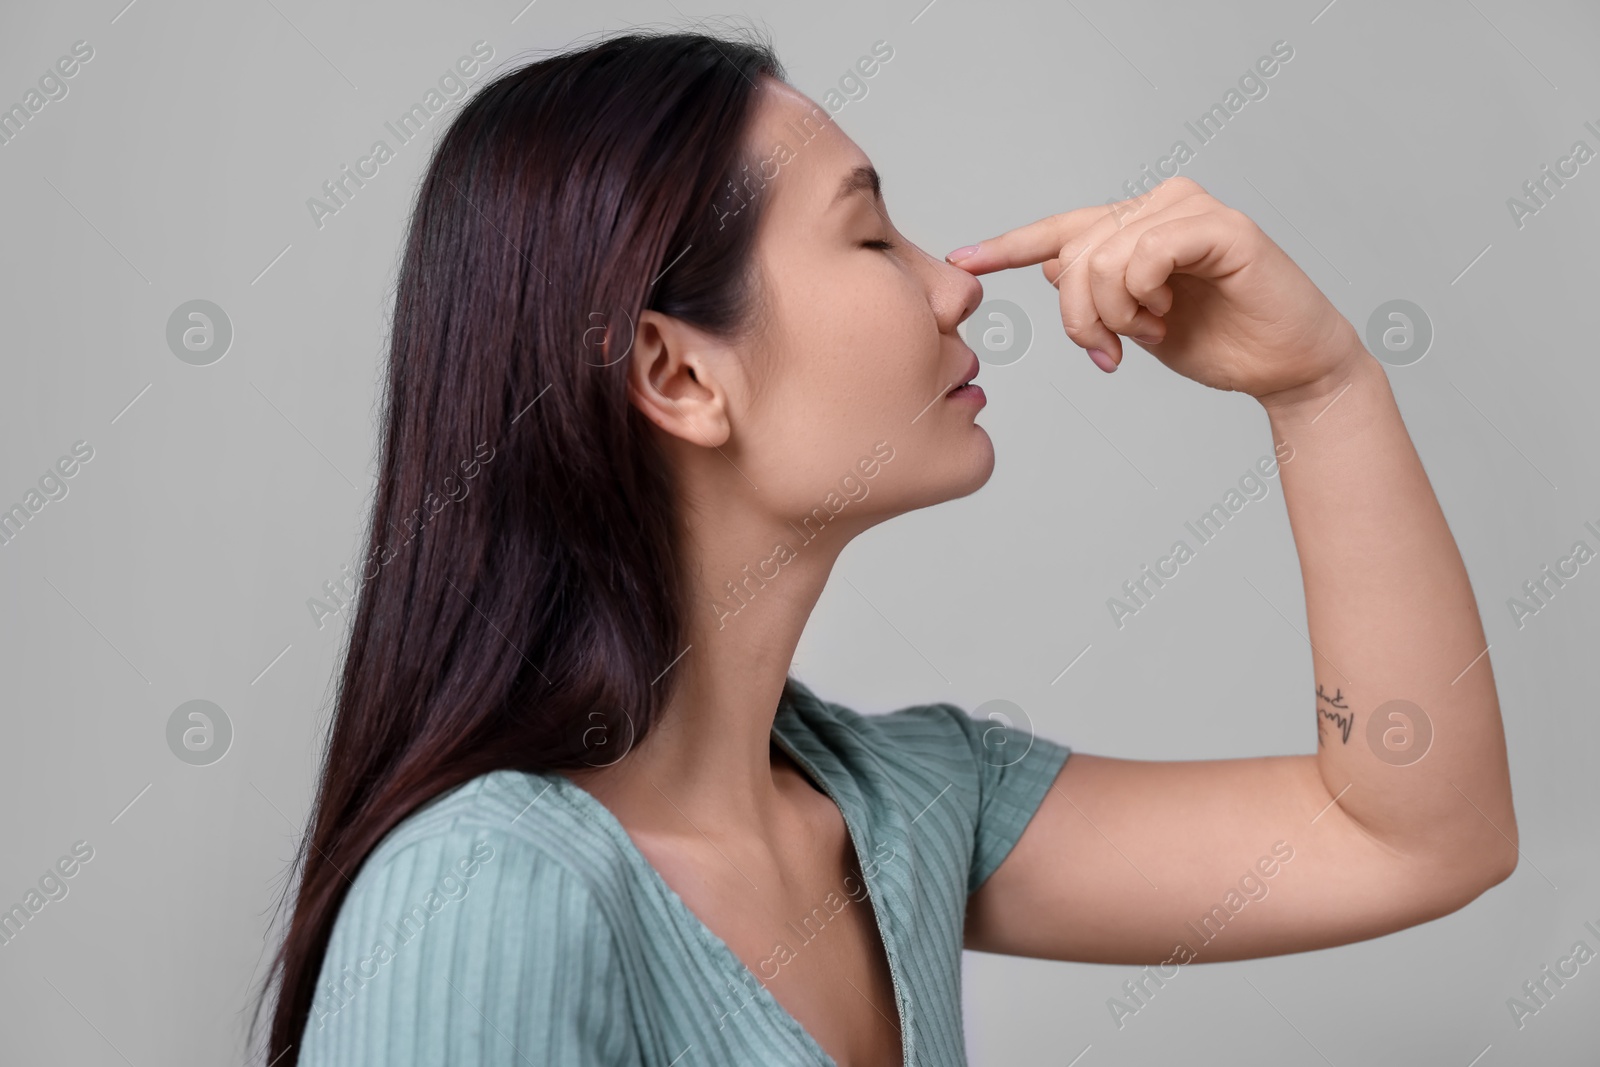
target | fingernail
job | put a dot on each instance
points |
(1148, 340)
(1102, 360)
(961, 253)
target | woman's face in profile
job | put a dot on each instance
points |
(860, 345)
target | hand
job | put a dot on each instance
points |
(1194, 281)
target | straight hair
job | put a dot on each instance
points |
(523, 599)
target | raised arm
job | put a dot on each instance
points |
(1404, 812)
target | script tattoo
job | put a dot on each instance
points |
(1340, 721)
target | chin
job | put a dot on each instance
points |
(963, 468)
(976, 464)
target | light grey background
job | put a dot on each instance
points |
(221, 497)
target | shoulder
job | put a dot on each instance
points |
(499, 822)
(474, 914)
(940, 735)
(988, 773)
(506, 836)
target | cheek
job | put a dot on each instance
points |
(851, 328)
(876, 336)
(856, 359)
(870, 374)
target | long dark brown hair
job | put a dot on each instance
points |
(522, 600)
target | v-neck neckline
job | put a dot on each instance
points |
(709, 937)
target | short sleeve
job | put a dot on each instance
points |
(474, 947)
(1015, 769)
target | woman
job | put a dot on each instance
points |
(658, 355)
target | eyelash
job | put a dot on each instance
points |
(881, 243)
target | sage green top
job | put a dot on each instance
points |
(512, 920)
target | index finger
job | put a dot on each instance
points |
(1036, 242)
(1039, 242)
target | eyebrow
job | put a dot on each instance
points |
(860, 179)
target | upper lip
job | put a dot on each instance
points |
(971, 372)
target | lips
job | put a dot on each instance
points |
(970, 373)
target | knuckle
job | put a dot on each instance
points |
(1121, 320)
(1143, 293)
(1146, 243)
(1104, 261)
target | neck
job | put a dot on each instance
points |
(708, 761)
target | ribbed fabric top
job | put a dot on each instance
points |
(513, 921)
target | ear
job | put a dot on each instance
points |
(674, 378)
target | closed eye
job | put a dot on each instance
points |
(881, 243)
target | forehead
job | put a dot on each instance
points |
(801, 153)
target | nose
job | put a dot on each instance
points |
(956, 294)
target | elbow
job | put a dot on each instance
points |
(1492, 861)
(1502, 850)
(1504, 859)
(1447, 889)
(1466, 872)
(1486, 848)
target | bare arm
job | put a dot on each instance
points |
(1404, 811)
(1395, 632)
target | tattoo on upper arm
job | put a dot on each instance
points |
(1342, 718)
